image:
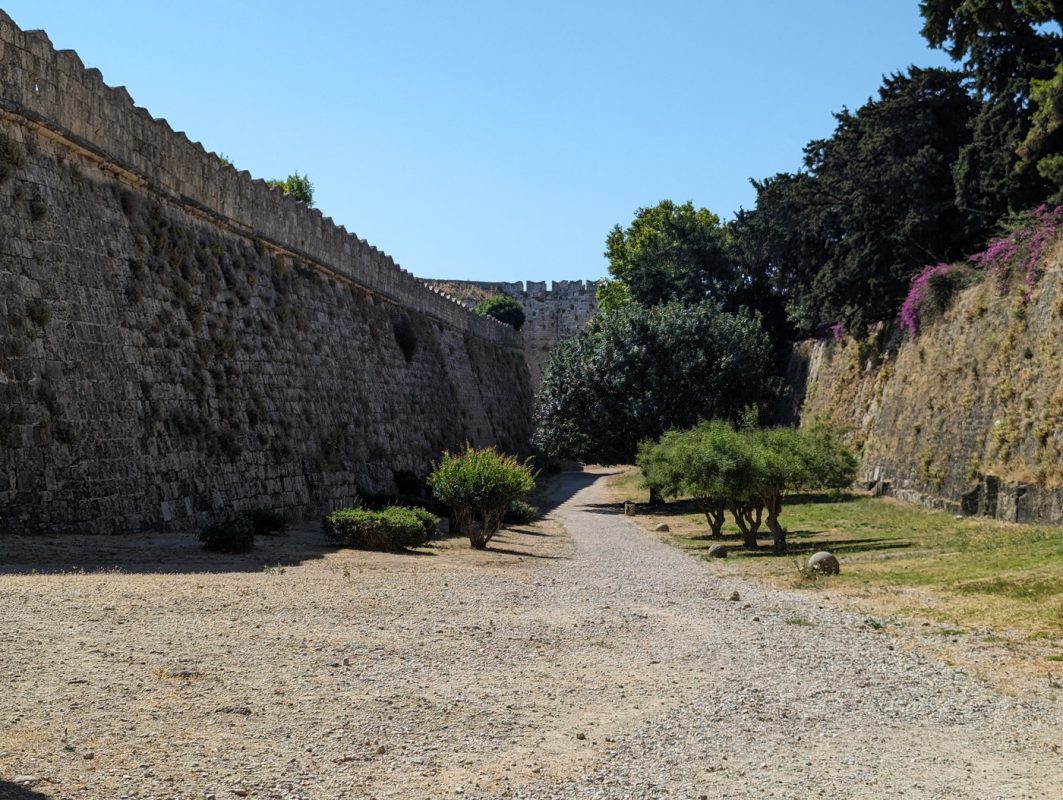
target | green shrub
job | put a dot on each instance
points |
(265, 521)
(390, 529)
(429, 520)
(233, 534)
(480, 486)
(520, 512)
(376, 502)
(503, 308)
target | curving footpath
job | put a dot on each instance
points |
(750, 706)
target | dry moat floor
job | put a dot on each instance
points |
(578, 658)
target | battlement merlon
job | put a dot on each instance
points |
(54, 93)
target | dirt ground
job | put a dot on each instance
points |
(577, 657)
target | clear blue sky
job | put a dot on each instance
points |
(497, 140)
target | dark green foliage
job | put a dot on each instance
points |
(876, 203)
(520, 512)
(503, 308)
(636, 372)
(233, 534)
(392, 528)
(479, 486)
(429, 521)
(265, 522)
(376, 501)
(296, 186)
(1008, 47)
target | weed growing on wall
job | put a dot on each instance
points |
(1022, 249)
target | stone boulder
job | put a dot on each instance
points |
(662, 528)
(824, 563)
(718, 551)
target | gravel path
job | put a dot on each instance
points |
(597, 663)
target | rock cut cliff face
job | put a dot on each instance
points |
(968, 415)
(178, 341)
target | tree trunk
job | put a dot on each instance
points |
(714, 515)
(656, 499)
(749, 537)
(752, 514)
(778, 533)
(716, 520)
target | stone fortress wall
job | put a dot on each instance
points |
(178, 340)
(552, 314)
(966, 417)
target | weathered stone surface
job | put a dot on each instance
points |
(965, 417)
(718, 551)
(824, 562)
(177, 340)
(662, 527)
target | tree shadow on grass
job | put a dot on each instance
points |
(836, 546)
(15, 791)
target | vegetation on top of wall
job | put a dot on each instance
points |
(296, 186)
(1017, 255)
(503, 308)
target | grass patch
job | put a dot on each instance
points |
(895, 558)
(801, 622)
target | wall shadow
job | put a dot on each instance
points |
(181, 553)
(564, 485)
(166, 553)
(15, 791)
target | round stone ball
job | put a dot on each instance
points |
(718, 551)
(824, 562)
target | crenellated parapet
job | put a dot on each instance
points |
(52, 91)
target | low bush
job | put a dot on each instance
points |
(234, 534)
(377, 502)
(392, 528)
(480, 486)
(266, 522)
(520, 512)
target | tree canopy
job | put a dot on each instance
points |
(503, 308)
(747, 472)
(1011, 51)
(635, 372)
(672, 252)
(874, 204)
